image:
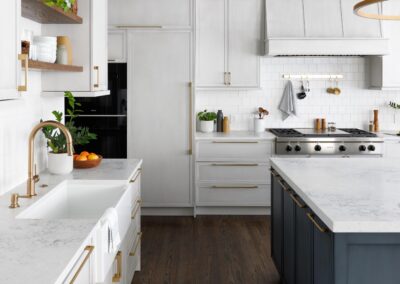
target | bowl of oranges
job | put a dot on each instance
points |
(86, 160)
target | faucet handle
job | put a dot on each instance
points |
(36, 177)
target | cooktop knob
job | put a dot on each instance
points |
(342, 148)
(317, 148)
(371, 148)
(297, 148)
(289, 148)
(362, 148)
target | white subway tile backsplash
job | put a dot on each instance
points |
(352, 108)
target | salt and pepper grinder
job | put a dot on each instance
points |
(376, 120)
(323, 123)
(226, 126)
(220, 121)
(317, 124)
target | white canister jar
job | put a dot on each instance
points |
(207, 126)
(60, 163)
(259, 125)
(62, 55)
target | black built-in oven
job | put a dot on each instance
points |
(107, 116)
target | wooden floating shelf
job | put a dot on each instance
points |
(32, 64)
(39, 12)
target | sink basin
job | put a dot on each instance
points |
(72, 199)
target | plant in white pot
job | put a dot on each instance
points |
(259, 121)
(58, 160)
(207, 120)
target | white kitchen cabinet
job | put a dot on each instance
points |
(292, 25)
(392, 149)
(89, 44)
(117, 46)
(159, 72)
(232, 173)
(10, 47)
(228, 43)
(83, 270)
(150, 13)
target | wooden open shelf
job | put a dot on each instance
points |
(39, 12)
(53, 66)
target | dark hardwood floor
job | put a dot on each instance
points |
(207, 249)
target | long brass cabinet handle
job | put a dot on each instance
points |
(274, 173)
(97, 68)
(24, 58)
(135, 247)
(136, 210)
(285, 188)
(190, 118)
(133, 180)
(117, 276)
(235, 186)
(319, 227)
(229, 78)
(234, 165)
(89, 250)
(298, 203)
(235, 142)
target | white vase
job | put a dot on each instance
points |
(206, 126)
(60, 164)
(259, 125)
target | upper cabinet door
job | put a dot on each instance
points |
(9, 49)
(323, 18)
(354, 25)
(244, 42)
(116, 46)
(292, 25)
(150, 12)
(99, 45)
(211, 43)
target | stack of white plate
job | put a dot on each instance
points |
(46, 48)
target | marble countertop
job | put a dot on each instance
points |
(38, 251)
(349, 195)
(389, 136)
(235, 135)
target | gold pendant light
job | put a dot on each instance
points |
(358, 10)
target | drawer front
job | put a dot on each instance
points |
(220, 173)
(234, 151)
(234, 195)
(133, 255)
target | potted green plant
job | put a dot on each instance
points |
(66, 5)
(58, 160)
(207, 120)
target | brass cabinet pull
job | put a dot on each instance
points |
(319, 227)
(117, 276)
(298, 203)
(285, 188)
(89, 250)
(136, 176)
(97, 68)
(234, 165)
(234, 186)
(235, 142)
(225, 78)
(136, 210)
(25, 59)
(229, 79)
(138, 240)
(190, 118)
(274, 173)
(139, 27)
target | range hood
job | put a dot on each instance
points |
(321, 28)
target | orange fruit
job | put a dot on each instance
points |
(75, 156)
(81, 158)
(84, 153)
(92, 157)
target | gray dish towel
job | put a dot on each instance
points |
(287, 105)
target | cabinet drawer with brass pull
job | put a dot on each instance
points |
(136, 244)
(233, 195)
(89, 250)
(136, 209)
(118, 274)
(232, 173)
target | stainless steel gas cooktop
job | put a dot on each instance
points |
(342, 141)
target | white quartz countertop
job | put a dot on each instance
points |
(38, 251)
(349, 195)
(235, 135)
(390, 136)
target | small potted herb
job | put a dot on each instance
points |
(58, 160)
(207, 120)
(259, 121)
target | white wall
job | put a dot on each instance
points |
(17, 117)
(353, 108)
